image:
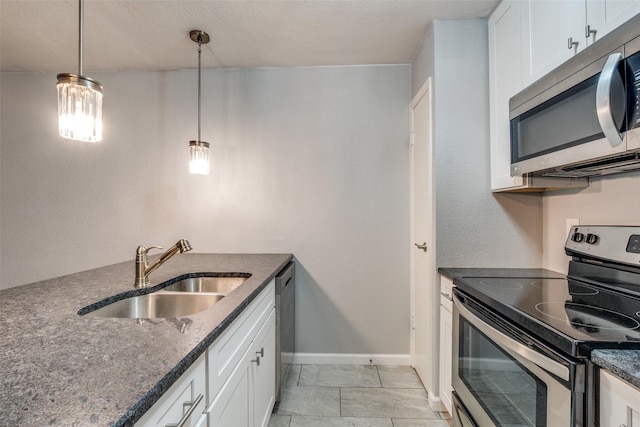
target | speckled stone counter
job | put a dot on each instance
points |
(61, 369)
(623, 363)
(452, 273)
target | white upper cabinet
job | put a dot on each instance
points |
(553, 31)
(507, 71)
(505, 80)
(550, 31)
(605, 15)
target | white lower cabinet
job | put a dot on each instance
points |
(235, 377)
(263, 372)
(446, 340)
(248, 396)
(232, 405)
(619, 402)
(176, 404)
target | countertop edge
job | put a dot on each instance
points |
(459, 272)
(624, 364)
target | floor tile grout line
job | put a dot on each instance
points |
(296, 383)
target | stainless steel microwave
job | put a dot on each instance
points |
(583, 118)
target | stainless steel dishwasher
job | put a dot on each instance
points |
(285, 324)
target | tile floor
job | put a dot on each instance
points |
(355, 396)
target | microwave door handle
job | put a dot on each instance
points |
(512, 345)
(603, 100)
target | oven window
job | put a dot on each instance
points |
(510, 394)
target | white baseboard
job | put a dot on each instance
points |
(351, 359)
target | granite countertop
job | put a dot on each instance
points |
(452, 272)
(623, 363)
(58, 368)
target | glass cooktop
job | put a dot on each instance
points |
(574, 316)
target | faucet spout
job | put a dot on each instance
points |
(143, 269)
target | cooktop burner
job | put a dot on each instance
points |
(576, 288)
(589, 318)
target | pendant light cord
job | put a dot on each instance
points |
(199, 79)
(80, 35)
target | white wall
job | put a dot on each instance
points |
(612, 200)
(475, 228)
(309, 161)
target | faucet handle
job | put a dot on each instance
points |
(142, 250)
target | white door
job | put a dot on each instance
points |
(422, 243)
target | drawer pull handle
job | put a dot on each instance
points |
(257, 360)
(187, 415)
(261, 352)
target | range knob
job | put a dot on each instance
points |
(577, 237)
(592, 238)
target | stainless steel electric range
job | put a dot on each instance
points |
(521, 345)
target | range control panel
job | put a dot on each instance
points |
(620, 244)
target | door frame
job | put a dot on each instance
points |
(431, 384)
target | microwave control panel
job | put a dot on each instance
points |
(633, 89)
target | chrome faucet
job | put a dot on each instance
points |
(143, 269)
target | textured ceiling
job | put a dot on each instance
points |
(154, 35)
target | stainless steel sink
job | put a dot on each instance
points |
(158, 305)
(218, 285)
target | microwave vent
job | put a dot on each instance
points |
(626, 163)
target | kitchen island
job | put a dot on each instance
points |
(59, 368)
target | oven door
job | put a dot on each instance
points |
(504, 377)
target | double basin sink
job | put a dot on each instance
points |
(183, 298)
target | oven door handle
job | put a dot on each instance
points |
(512, 345)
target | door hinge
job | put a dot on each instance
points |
(412, 139)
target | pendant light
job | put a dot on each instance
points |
(79, 99)
(198, 149)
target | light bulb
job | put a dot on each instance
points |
(199, 158)
(79, 108)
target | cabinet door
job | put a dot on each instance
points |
(605, 15)
(619, 402)
(175, 403)
(547, 26)
(227, 350)
(264, 374)
(446, 332)
(231, 407)
(505, 80)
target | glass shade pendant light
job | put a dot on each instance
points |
(198, 149)
(79, 100)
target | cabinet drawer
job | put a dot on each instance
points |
(225, 353)
(174, 404)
